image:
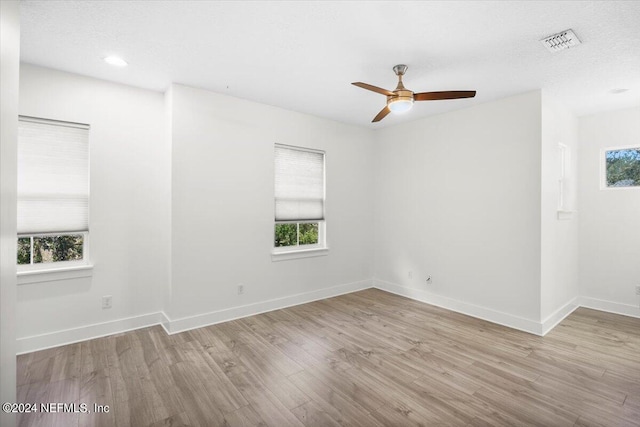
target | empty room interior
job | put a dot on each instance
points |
(269, 213)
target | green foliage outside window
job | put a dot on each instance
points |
(308, 233)
(294, 234)
(24, 250)
(286, 235)
(50, 248)
(623, 168)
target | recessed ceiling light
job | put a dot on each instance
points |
(116, 61)
(618, 90)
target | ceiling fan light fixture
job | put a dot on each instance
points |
(400, 104)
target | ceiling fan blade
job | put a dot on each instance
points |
(449, 94)
(381, 115)
(373, 88)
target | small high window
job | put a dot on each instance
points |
(622, 168)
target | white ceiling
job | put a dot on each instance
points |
(303, 56)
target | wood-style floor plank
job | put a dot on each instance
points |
(365, 359)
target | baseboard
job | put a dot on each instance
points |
(172, 326)
(483, 313)
(609, 306)
(192, 322)
(165, 322)
(83, 333)
(558, 316)
(97, 330)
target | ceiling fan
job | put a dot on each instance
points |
(401, 99)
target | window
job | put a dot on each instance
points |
(53, 194)
(299, 199)
(41, 249)
(622, 168)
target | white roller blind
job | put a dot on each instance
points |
(53, 176)
(299, 184)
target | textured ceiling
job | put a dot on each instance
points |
(303, 56)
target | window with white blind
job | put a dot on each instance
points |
(299, 200)
(53, 194)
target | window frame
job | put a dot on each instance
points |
(281, 253)
(52, 271)
(298, 247)
(602, 159)
(34, 267)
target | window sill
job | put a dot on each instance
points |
(304, 253)
(53, 274)
(628, 187)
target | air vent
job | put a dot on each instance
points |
(560, 41)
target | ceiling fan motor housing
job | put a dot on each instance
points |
(401, 95)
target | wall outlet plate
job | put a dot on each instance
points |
(107, 301)
(638, 290)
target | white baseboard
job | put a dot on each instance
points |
(609, 306)
(192, 322)
(483, 313)
(165, 322)
(97, 330)
(558, 316)
(509, 320)
(172, 326)
(83, 333)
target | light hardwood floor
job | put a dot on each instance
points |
(365, 359)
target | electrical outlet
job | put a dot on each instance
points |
(410, 274)
(429, 280)
(240, 289)
(106, 301)
(637, 290)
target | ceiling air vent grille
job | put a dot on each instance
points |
(560, 41)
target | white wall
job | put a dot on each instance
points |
(609, 218)
(9, 76)
(129, 206)
(182, 210)
(458, 198)
(559, 245)
(223, 208)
